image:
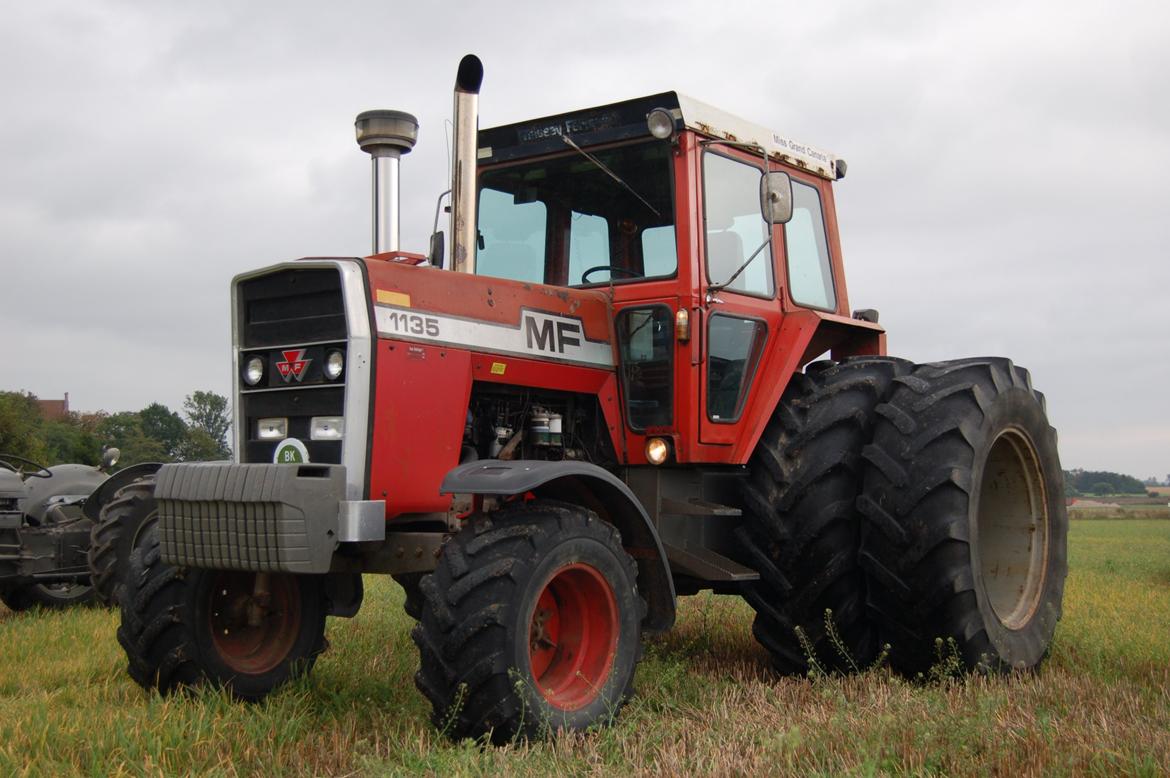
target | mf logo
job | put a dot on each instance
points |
(551, 335)
(294, 365)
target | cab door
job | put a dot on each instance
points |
(742, 313)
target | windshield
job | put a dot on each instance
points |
(565, 220)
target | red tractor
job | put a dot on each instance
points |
(612, 390)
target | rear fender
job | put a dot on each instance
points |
(589, 486)
(108, 488)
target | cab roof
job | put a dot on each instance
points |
(627, 119)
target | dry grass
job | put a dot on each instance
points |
(706, 701)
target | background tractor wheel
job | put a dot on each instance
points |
(801, 529)
(113, 537)
(182, 627)
(965, 523)
(531, 623)
(53, 596)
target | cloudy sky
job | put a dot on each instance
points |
(1007, 192)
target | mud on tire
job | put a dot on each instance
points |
(801, 527)
(531, 623)
(113, 537)
(183, 627)
(965, 524)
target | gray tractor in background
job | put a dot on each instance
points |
(46, 517)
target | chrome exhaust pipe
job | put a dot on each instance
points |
(465, 148)
(386, 136)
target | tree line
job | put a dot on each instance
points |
(1101, 482)
(153, 434)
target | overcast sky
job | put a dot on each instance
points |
(1007, 191)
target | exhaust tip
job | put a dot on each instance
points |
(470, 74)
(382, 130)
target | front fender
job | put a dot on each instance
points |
(590, 487)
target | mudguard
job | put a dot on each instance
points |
(108, 488)
(591, 487)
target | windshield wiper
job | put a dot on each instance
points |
(609, 172)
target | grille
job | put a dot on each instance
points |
(292, 314)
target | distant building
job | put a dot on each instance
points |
(54, 409)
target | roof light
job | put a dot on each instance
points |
(660, 122)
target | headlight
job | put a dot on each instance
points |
(253, 371)
(272, 429)
(326, 428)
(657, 450)
(334, 365)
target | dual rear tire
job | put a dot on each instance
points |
(921, 506)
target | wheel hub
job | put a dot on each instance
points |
(573, 635)
(1013, 529)
(254, 622)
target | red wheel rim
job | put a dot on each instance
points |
(245, 643)
(573, 636)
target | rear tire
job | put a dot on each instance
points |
(182, 627)
(532, 623)
(113, 537)
(48, 596)
(801, 527)
(965, 527)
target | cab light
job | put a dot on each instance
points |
(326, 428)
(682, 326)
(657, 450)
(272, 429)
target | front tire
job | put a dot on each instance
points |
(531, 623)
(965, 528)
(183, 627)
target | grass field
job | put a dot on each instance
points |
(706, 701)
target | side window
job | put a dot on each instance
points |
(513, 236)
(659, 254)
(810, 274)
(734, 352)
(588, 247)
(735, 226)
(646, 340)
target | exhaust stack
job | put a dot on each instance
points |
(386, 136)
(463, 238)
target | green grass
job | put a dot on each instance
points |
(706, 701)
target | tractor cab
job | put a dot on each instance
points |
(711, 236)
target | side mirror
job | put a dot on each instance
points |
(437, 248)
(776, 198)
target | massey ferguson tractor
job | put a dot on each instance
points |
(632, 373)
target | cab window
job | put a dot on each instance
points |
(810, 275)
(565, 219)
(735, 228)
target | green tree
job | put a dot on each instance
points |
(199, 447)
(124, 430)
(68, 441)
(1102, 487)
(165, 426)
(208, 412)
(20, 421)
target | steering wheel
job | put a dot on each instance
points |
(40, 472)
(611, 269)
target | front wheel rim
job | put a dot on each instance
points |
(245, 647)
(573, 636)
